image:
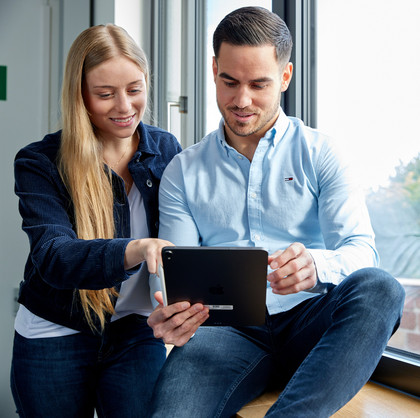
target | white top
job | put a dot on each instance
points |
(134, 295)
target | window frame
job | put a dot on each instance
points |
(397, 368)
(300, 98)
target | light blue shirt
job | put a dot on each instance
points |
(296, 189)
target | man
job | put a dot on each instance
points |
(263, 179)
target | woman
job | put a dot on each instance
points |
(88, 199)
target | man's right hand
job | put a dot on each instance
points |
(176, 323)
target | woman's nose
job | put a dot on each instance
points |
(123, 103)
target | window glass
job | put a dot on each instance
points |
(216, 10)
(368, 83)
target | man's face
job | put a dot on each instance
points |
(249, 83)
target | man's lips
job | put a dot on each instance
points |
(242, 116)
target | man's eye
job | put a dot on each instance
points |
(259, 86)
(229, 84)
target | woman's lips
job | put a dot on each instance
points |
(123, 121)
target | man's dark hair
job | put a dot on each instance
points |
(254, 26)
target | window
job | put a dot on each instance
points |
(369, 99)
(365, 72)
(166, 35)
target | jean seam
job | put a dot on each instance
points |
(20, 411)
(238, 381)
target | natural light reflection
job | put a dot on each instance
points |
(368, 69)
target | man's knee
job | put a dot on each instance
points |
(378, 287)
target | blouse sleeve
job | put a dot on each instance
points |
(60, 258)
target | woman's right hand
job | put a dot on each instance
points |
(178, 322)
(145, 249)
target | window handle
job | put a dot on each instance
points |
(183, 108)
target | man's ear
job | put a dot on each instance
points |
(286, 77)
(214, 68)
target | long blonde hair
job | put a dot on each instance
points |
(80, 157)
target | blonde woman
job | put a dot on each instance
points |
(88, 199)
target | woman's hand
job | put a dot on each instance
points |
(178, 322)
(147, 249)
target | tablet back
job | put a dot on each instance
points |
(231, 281)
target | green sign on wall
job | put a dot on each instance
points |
(3, 82)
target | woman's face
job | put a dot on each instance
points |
(115, 96)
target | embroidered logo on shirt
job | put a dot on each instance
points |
(288, 178)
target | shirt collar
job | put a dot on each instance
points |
(221, 137)
(274, 134)
(280, 127)
(146, 144)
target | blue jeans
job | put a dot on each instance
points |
(69, 377)
(321, 353)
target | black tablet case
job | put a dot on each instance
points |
(232, 281)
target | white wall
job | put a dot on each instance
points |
(21, 120)
(24, 118)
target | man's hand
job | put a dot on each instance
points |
(294, 270)
(176, 323)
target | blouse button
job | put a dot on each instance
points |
(149, 183)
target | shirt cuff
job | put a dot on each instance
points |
(321, 269)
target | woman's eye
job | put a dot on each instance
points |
(104, 95)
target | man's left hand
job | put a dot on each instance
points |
(294, 270)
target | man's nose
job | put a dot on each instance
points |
(242, 97)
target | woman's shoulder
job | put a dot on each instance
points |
(157, 140)
(36, 165)
(157, 133)
(155, 130)
(46, 148)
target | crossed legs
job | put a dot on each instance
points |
(322, 351)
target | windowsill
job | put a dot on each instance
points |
(373, 400)
(400, 371)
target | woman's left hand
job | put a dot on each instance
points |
(145, 249)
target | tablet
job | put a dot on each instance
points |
(231, 281)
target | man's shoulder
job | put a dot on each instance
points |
(194, 158)
(306, 134)
(206, 147)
